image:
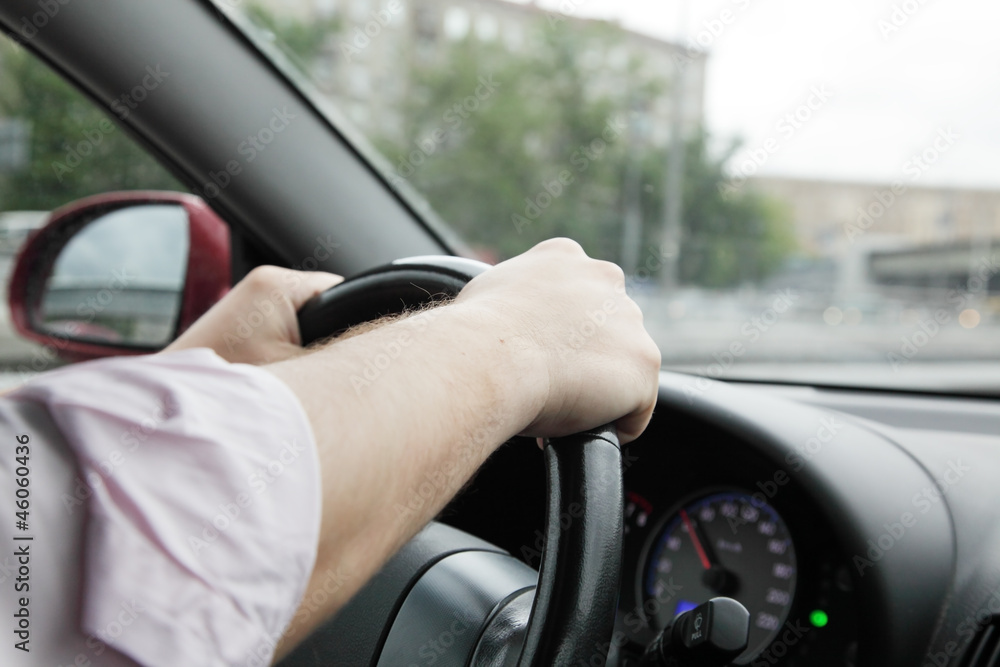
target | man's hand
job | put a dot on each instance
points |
(256, 322)
(592, 359)
(547, 343)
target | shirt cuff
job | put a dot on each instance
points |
(204, 502)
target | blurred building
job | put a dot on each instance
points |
(921, 237)
(828, 214)
(364, 69)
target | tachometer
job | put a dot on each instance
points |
(727, 543)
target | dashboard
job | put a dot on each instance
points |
(858, 528)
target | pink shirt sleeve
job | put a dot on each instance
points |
(201, 484)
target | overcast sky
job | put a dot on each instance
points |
(891, 93)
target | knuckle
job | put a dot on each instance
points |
(651, 356)
(562, 244)
(612, 271)
(265, 276)
(635, 309)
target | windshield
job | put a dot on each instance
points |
(797, 190)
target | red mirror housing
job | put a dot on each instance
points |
(207, 274)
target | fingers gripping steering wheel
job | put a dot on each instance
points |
(449, 598)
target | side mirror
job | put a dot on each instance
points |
(119, 273)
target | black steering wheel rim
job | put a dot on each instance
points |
(573, 610)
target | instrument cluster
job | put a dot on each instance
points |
(712, 521)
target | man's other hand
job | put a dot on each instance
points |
(256, 323)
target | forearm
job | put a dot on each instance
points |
(403, 416)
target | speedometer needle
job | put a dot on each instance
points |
(702, 556)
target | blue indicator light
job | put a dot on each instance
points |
(683, 606)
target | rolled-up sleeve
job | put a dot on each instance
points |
(201, 484)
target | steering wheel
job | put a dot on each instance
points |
(451, 599)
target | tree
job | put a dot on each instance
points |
(75, 150)
(544, 151)
(302, 40)
(515, 147)
(730, 236)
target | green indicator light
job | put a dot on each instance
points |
(818, 618)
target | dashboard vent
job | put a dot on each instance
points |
(984, 650)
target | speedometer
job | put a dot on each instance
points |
(726, 543)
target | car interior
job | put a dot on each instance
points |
(853, 522)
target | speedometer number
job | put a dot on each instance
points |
(783, 571)
(767, 621)
(774, 596)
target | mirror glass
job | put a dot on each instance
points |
(120, 279)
